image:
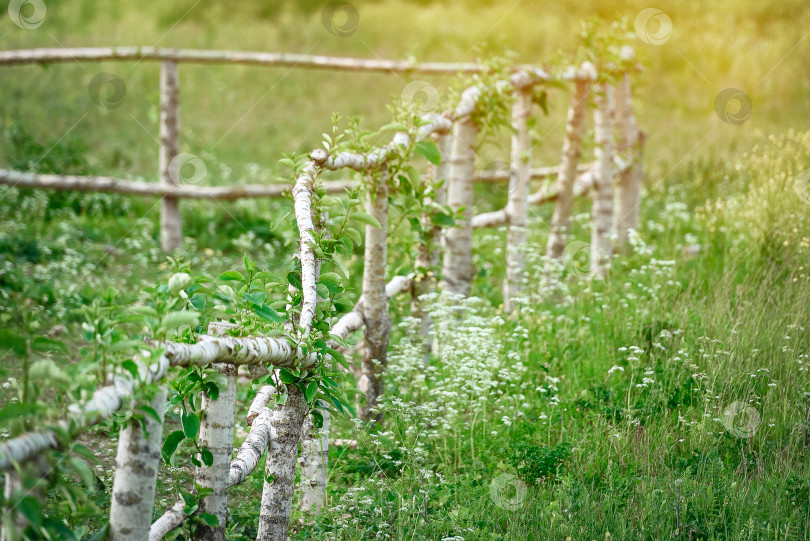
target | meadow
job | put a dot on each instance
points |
(668, 401)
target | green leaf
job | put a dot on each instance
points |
(232, 275)
(208, 518)
(150, 411)
(40, 343)
(84, 472)
(429, 151)
(281, 399)
(191, 424)
(130, 366)
(332, 282)
(286, 376)
(295, 279)
(317, 419)
(207, 456)
(11, 340)
(29, 507)
(443, 219)
(182, 318)
(266, 313)
(312, 390)
(257, 297)
(354, 234)
(366, 219)
(197, 301)
(170, 445)
(15, 409)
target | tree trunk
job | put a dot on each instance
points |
(375, 301)
(628, 186)
(171, 223)
(428, 256)
(457, 270)
(602, 211)
(517, 207)
(279, 483)
(136, 469)
(216, 433)
(571, 153)
(314, 462)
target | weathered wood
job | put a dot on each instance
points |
(602, 210)
(517, 206)
(457, 268)
(216, 434)
(290, 60)
(571, 152)
(171, 222)
(628, 185)
(154, 189)
(136, 469)
(375, 301)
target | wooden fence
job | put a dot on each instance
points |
(277, 429)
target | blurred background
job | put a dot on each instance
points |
(240, 118)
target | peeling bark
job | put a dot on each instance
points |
(517, 207)
(314, 462)
(602, 212)
(628, 186)
(279, 482)
(136, 469)
(216, 433)
(457, 268)
(571, 152)
(171, 222)
(375, 301)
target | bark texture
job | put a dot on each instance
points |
(216, 433)
(314, 462)
(628, 185)
(375, 301)
(517, 207)
(602, 211)
(136, 469)
(571, 152)
(457, 268)
(171, 223)
(279, 482)
(259, 403)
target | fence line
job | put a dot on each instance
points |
(277, 430)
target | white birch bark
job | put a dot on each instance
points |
(602, 211)
(457, 268)
(375, 301)
(628, 185)
(216, 433)
(279, 482)
(136, 469)
(517, 207)
(263, 396)
(252, 448)
(571, 152)
(171, 223)
(314, 462)
(428, 255)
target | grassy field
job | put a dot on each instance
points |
(671, 401)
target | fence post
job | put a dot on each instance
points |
(517, 207)
(171, 223)
(136, 468)
(375, 307)
(457, 267)
(314, 463)
(571, 153)
(602, 209)
(216, 434)
(428, 256)
(628, 186)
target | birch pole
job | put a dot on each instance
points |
(375, 307)
(171, 223)
(314, 463)
(136, 469)
(628, 186)
(428, 257)
(457, 268)
(602, 210)
(571, 153)
(517, 207)
(279, 484)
